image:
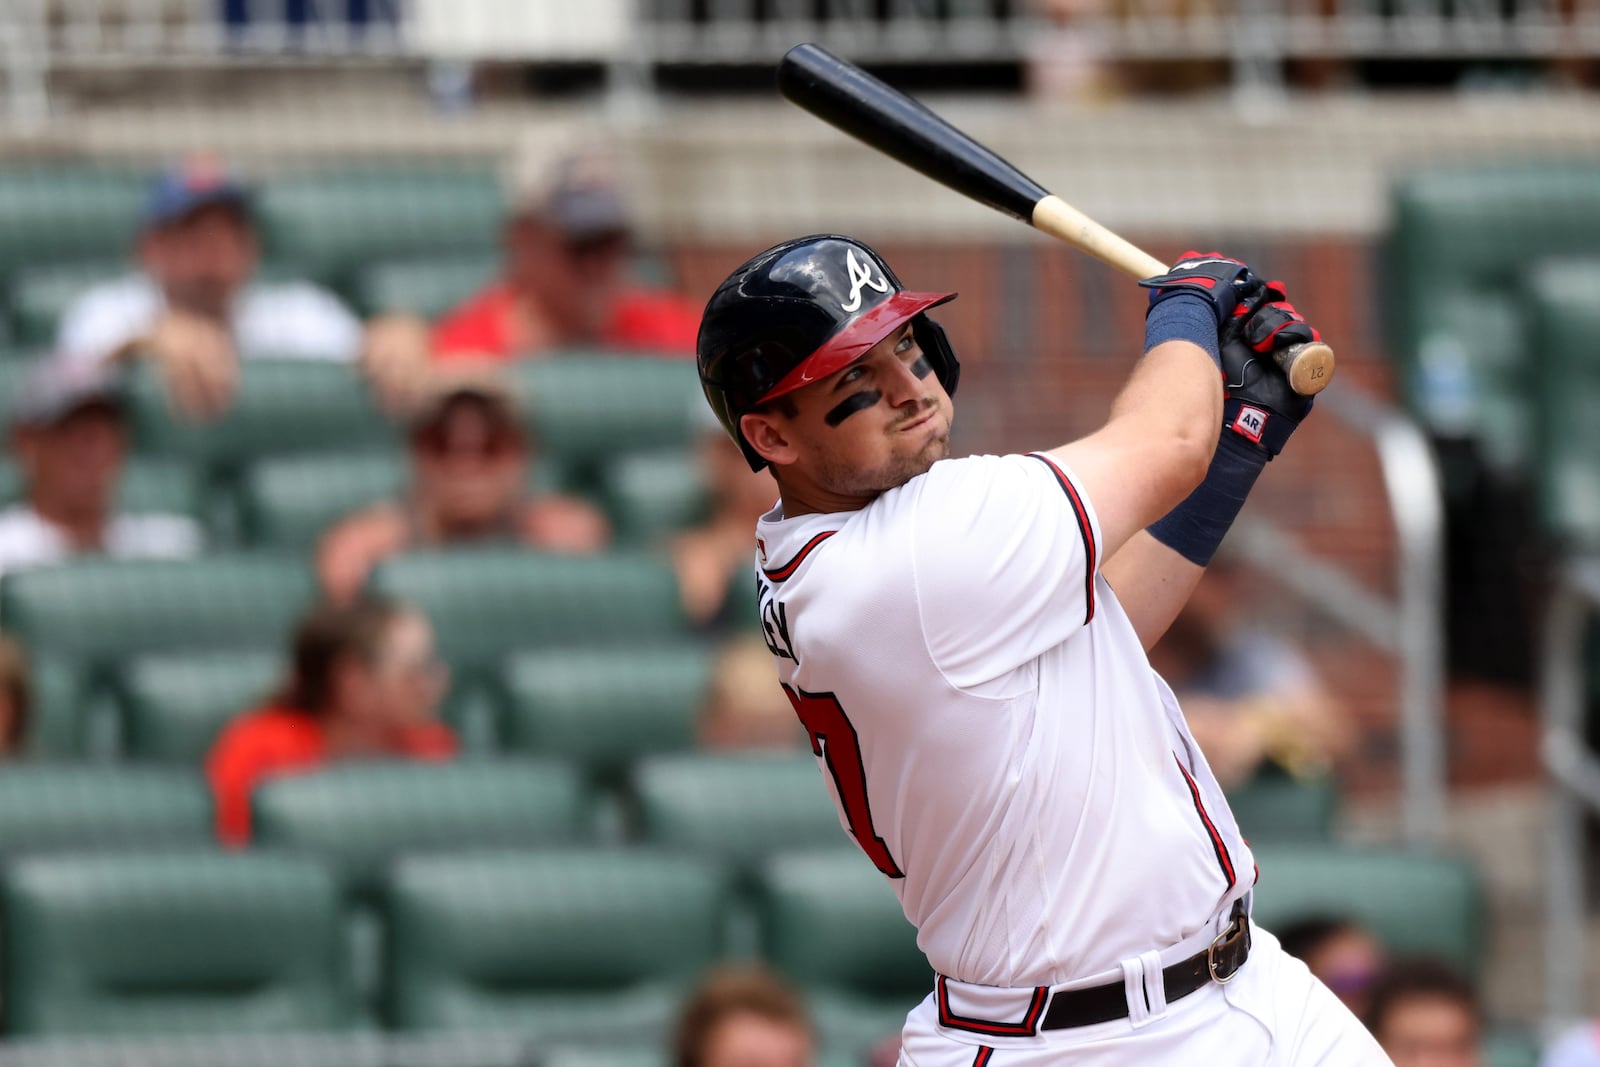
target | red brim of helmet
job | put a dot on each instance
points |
(856, 339)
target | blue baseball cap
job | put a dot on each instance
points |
(197, 182)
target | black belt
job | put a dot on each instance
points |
(1218, 962)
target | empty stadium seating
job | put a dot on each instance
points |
(1461, 238)
(591, 406)
(831, 922)
(1565, 313)
(649, 495)
(68, 213)
(360, 816)
(288, 501)
(48, 806)
(486, 604)
(1274, 807)
(739, 807)
(332, 223)
(171, 942)
(101, 610)
(565, 943)
(173, 704)
(1413, 902)
(605, 707)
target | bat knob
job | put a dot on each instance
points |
(1309, 367)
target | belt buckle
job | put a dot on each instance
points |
(1213, 964)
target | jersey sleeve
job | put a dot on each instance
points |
(1004, 554)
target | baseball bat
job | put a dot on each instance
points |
(844, 95)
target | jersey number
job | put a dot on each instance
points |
(834, 739)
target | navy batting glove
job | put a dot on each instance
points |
(1225, 283)
(1258, 404)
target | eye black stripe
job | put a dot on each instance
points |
(850, 405)
(921, 367)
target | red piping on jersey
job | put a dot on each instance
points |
(1084, 527)
(778, 574)
(982, 1058)
(1026, 1028)
(1216, 838)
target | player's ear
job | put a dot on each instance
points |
(767, 438)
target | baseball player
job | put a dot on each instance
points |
(964, 640)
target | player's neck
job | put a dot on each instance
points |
(801, 497)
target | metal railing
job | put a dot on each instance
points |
(1410, 625)
(1575, 774)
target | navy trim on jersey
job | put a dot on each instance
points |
(1217, 845)
(983, 1056)
(1028, 1027)
(1084, 528)
(778, 574)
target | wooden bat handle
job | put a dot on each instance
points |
(1309, 367)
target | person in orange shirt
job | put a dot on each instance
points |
(365, 683)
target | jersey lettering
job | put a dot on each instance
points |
(834, 739)
(774, 622)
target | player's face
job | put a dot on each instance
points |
(870, 427)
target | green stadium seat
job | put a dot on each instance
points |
(57, 724)
(360, 816)
(334, 223)
(1503, 1047)
(651, 495)
(606, 707)
(101, 610)
(173, 704)
(287, 502)
(54, 213)
(588, 407)
(171, 943)
(831, 923)
(1415, 903)
(564, 943)
(587, 1055)
(1275, 807)
(282, 406)
(740, 807)
(1565, 314)
(429, 286)
(1462, 237)
(79, 806)
(486, 604)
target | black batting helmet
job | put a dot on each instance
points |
(797, 313)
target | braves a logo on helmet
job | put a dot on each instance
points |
(860, 276)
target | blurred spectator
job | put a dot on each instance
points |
(1251, 699)
(714, 560)
(69, 440)
(470, 458)
(1577, 1047)
(16, 698)
(746, 707)
(1424, 1014)
(744, 1016)
(365, 682)
(195, 306)
(1340, 952)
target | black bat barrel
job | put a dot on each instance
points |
(884, 118)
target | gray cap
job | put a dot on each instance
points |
(58, 387)
(580, 196)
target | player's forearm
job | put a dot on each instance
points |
(1152, 583)
(1173, 402)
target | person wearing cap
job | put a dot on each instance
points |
(195, 304)
(565, 279)
(68, 438)
(470, 459)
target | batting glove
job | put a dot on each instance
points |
(1225, 283)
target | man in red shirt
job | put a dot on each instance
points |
(566, 280)
(364, 684)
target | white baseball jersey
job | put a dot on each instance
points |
(989, 725)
